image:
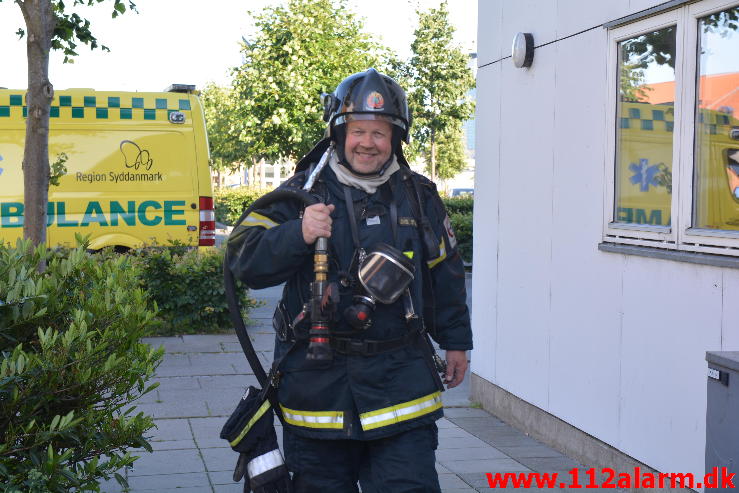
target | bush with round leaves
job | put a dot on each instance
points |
(71, 366)
(187, 287)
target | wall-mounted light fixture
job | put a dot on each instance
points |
(522, 50)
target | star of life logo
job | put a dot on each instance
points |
(644, 174)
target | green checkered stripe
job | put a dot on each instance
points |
(647, 119)
(101, 107)
(716, 123)
(712, 122)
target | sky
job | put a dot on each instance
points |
(194, 41)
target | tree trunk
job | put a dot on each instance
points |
(433, 155)
(40, 22)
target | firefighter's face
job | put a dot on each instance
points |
(368, 144)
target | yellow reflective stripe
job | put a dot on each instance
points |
(409, 254)
(255, 219)
(442, 255)
(401, 412)
(314, 419)
(260, 412)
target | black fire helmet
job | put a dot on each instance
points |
(367, 95)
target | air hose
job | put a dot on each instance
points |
(234, 307)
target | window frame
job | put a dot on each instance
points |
(636, 234)
(697, 239)
(681, 235)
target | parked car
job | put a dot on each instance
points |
(459, 192)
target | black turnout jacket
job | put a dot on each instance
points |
(357, 396)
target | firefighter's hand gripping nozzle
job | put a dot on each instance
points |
(319, 347)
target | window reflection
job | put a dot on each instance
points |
(716, 177)
(643, 171)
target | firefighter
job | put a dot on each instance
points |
(367, 412)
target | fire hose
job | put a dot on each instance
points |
(318, 346)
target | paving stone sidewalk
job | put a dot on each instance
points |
(202, 378)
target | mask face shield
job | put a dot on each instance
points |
(385, 273)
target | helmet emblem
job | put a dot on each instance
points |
(375, 101)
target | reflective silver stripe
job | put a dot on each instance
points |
(314, 419)
(264, 463)
(255, 219)
(401, 412)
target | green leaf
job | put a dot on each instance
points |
(121, 480)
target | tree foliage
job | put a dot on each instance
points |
(49, 25)
(70, 28)
(439, 79)
(227, 151)
(659, 48)
(301, 50)
(450, 152)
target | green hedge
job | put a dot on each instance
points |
(462, 225)
(187, 287)
(460, 214)
(231, 202)
(458, 205)
(71, 365)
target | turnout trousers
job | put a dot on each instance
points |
(402, 463)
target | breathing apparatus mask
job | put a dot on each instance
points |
(383, 275)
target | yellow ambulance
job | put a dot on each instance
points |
(644, 174)
(137, 168)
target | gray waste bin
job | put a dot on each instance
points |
(722, 417)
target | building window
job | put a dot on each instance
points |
(716, 175)
(643, 164)
(673, 169)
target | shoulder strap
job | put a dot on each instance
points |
(415, 196)
(429, 241)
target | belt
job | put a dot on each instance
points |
(368, 347)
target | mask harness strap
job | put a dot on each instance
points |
(358, 250)
(390, 184)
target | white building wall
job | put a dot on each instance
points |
(611, 344)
